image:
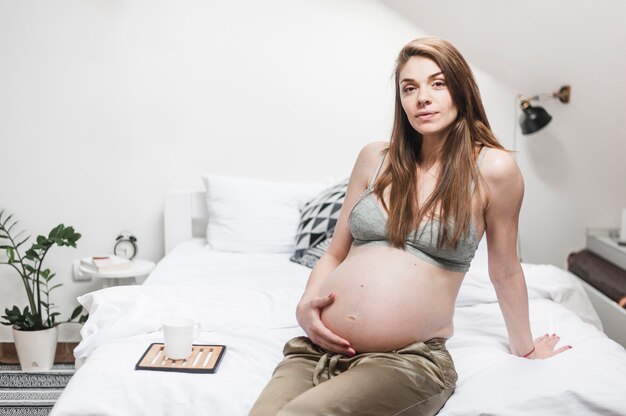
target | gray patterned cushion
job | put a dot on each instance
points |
(317, 224)
(313, 254)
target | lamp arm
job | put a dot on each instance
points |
(537, 97)
(563, 95)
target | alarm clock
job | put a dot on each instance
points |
(125, 245)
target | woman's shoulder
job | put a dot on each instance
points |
(504, 184)
(371, 153)
(498, 165)
(374, 149)
(367, 161)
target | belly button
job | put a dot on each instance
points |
(352, 317)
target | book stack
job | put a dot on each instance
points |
(105, 263)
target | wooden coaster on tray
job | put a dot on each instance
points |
(203, 359)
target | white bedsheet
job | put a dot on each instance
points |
(247, 302)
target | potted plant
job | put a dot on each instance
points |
(35, 326)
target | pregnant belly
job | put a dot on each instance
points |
(386, 299)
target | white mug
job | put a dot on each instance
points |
(179, 334)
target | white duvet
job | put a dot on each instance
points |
(247, 302)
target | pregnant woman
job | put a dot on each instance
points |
(379, 305)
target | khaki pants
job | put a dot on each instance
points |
(415, 380)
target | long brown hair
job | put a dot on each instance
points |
(453, 191)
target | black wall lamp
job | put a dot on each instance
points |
(535, 118)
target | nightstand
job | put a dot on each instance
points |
(613, 317)
(139, 268)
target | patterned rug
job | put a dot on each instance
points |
(31, 394)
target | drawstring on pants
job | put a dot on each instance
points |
(321, 365)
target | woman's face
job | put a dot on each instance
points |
(425, 97)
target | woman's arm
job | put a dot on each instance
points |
(505, 191)
(313, 301)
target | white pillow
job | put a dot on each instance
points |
(251, 215)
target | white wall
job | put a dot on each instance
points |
(107, 105)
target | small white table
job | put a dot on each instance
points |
(138, 268)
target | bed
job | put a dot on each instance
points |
(246, 300)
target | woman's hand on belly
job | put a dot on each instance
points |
(387, 299)
(308, 314)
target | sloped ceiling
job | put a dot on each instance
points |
(531, 46)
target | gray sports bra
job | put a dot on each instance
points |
(368, 225)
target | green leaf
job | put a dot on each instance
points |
(11, 254)
(68, 233)
(83, 319)
(56, 231)
(76, 312)
(9, 323)
(7, 219)
(55, 286)
(22, 242)
(11, 227)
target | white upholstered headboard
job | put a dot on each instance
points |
(185, 217)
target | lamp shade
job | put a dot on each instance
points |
(533, 119)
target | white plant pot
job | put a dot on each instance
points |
(36, 349)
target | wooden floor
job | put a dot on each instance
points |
(64, 354)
